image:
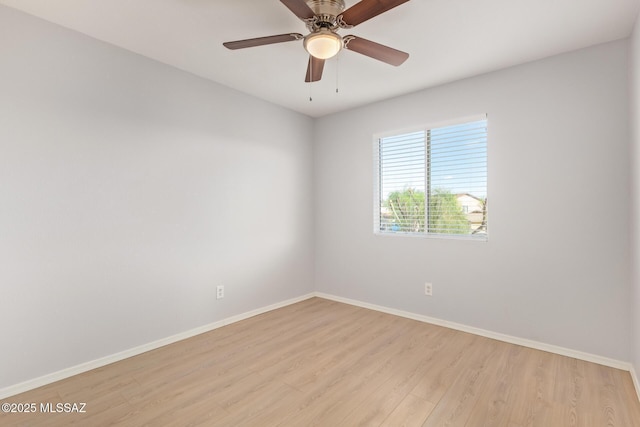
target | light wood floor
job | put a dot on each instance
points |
(323, 363)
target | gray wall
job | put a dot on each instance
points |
(634, 96)
(128, 191)
(556, 267)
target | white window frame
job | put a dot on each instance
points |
(376, 180)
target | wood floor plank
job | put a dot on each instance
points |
(628, 390)
(408, 367)
(457, 403)
(323, 363)
(411, 412)
(362, 371)
(372, 403)
(336, 361)
(493, 408)
(533, 404)
(445, 369)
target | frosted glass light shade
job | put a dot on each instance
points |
(323, 44)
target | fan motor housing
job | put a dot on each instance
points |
(327, 9)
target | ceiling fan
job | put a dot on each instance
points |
(323, 19)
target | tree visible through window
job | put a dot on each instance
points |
(433, 181)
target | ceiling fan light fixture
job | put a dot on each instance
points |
(323, 44)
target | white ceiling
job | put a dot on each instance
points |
(447, 40)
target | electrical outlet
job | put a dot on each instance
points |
(428, 289)
(220, 292)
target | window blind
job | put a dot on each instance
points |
(433, 181)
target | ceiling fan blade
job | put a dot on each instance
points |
(314, 69)
(299, 8)
(375, 50)
(367, 9)
(261, 41)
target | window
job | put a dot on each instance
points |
(433, 181)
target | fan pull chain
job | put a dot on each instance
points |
(310, 78)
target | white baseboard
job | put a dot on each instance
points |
(626, 366)
(103, 361)
(84, 367)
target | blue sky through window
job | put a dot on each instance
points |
(458, 160)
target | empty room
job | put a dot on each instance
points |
(320, 212)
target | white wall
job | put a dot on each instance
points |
(128, 191)
(634, 114)
(558, 141)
